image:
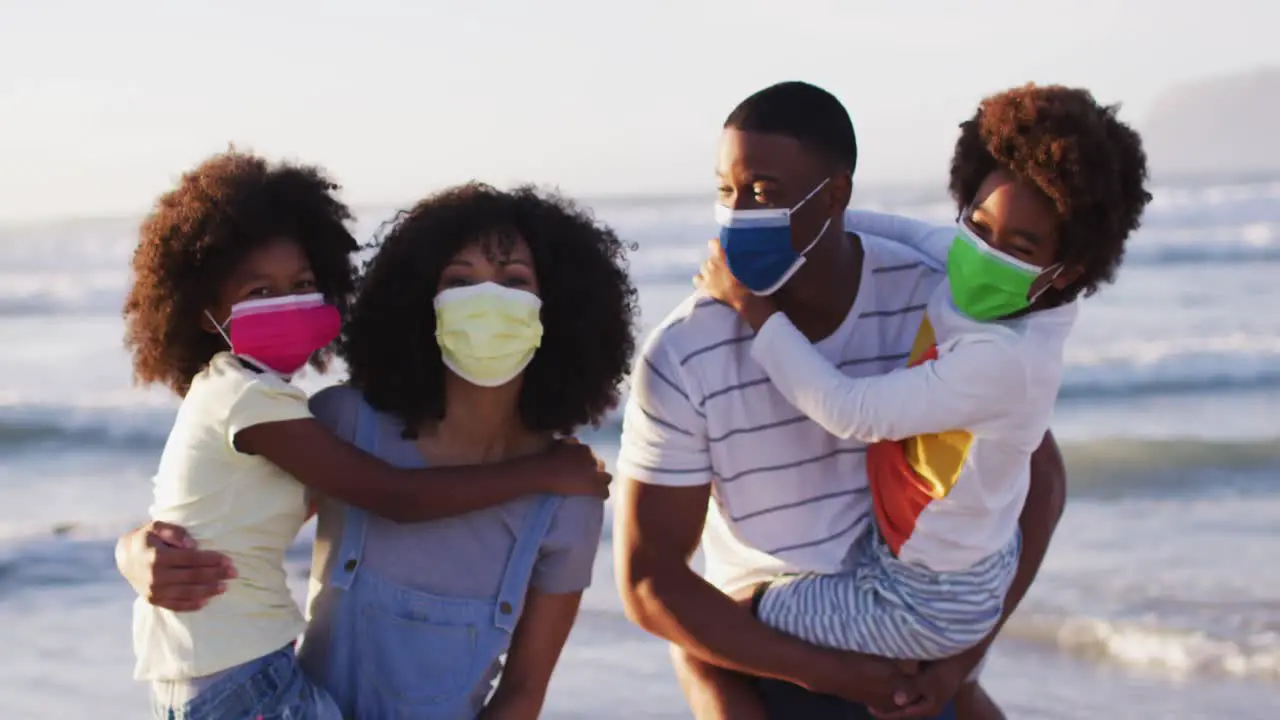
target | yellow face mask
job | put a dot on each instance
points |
(487, 332)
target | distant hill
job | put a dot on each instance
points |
(1227, 125)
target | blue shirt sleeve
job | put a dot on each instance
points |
(568, 554)
(336, 408)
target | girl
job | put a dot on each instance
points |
(241, 277)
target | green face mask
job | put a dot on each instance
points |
(987, 284)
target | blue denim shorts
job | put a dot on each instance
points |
(273, 687)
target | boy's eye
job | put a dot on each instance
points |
(979, 229)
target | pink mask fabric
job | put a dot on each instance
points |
(282, 333)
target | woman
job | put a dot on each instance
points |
(487, 324)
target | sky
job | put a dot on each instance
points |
(103, 103)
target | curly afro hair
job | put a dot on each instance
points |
(588, 307)
(1088, 163)
(198, 232)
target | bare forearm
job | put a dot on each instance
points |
(514, 703)
(535, 648)
(688, 611)
(419, 495)
(714, 693)
(318, 459)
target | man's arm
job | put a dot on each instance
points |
(658, 520)
(656, 531)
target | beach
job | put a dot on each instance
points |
(1160, 597)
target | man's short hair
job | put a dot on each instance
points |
(804, 112)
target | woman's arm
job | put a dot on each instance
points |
(535, 648)
(320, 460)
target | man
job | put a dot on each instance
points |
(704, 422)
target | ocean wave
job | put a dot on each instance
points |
(1116, 371)
(676, 264)
(87, 292)
(63, 268)
(1102, 467)
(1121, 467)
(59, 555)
(1151, 646)
(33, 560)
(41, 427)
(1122, 369)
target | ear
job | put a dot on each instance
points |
(841, 193)
(1067, 277)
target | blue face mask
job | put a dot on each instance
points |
(757, 244)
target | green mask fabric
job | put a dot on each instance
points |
(987, 284)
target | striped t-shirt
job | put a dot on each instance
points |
(787, 495)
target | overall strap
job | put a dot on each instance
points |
(515, 579)
(355, 520)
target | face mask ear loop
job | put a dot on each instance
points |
(817, 237)
(1047, 285)
(218, 327)
(808, 197)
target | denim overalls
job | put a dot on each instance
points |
(387, 651)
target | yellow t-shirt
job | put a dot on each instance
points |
(240, 505)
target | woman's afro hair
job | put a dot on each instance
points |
(588, 306)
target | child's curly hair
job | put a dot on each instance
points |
(588, 306)
(1090, 165)
(198, 232)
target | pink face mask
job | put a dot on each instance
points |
(282, 333)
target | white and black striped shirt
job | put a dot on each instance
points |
(788, 496)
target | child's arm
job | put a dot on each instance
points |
(975, 382)
(318, 459)
(931, 240)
